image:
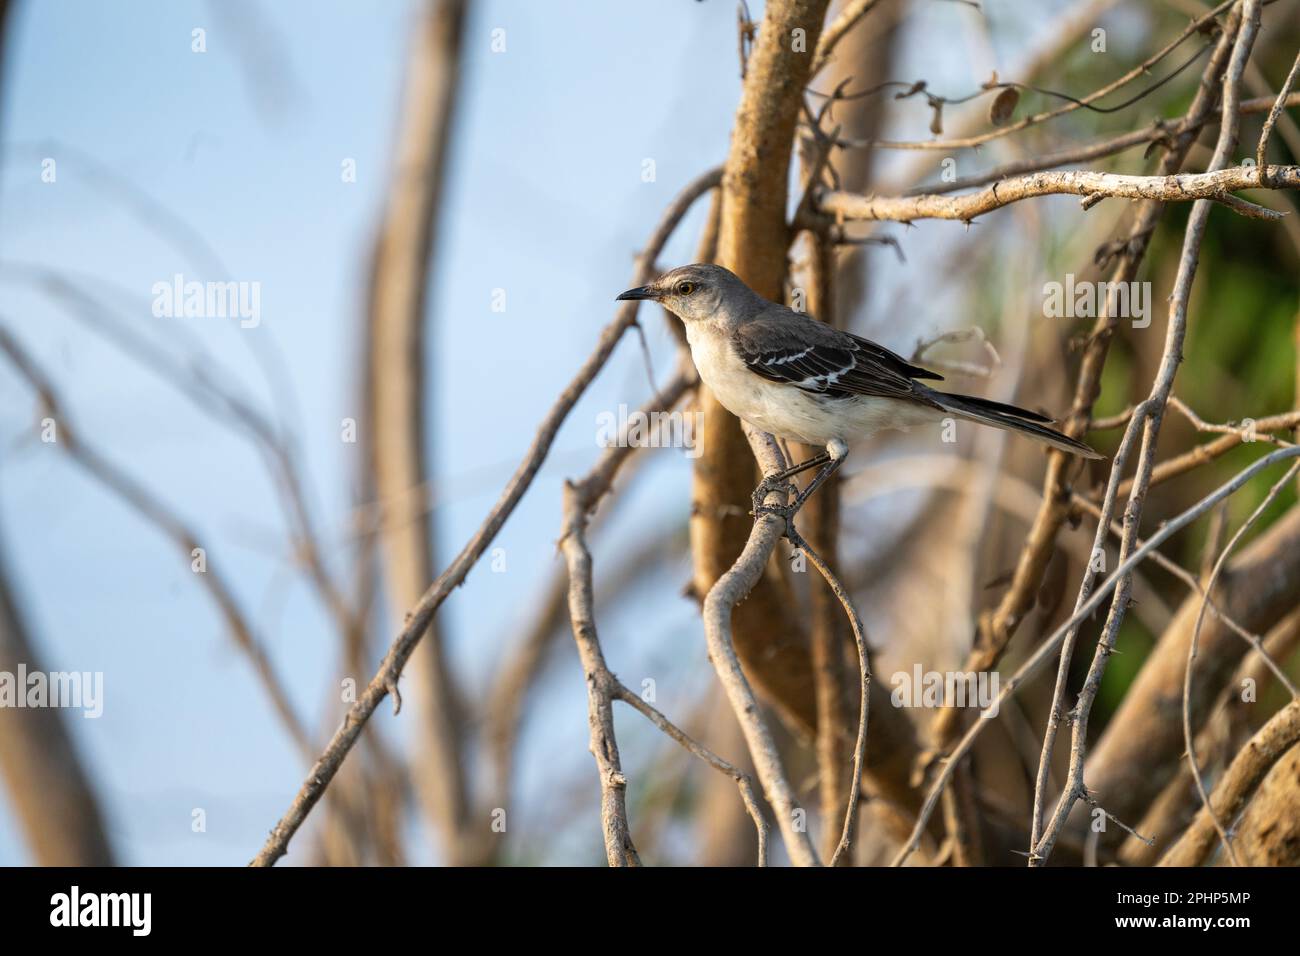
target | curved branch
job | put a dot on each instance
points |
(417, 622)
(1048, 648)
(1142, 69)
(729, 590)
(1148, 421)
(1189, 735)
(1216, 186)
(864, 689)
(1244, 774)
(1159, 131)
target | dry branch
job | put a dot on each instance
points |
(580, 499)
(1146, 419)
(1141, 70)
(603, 688)
(1275, 111)
(1231, 794)
(1048, 648)
(1216, 186)
(395, 429)
(1268, 833)
(1159, 131)
(997, 627)
(548, 622)
(733, 587)
(1138, 751)
(390, 669)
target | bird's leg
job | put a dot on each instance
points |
(773, 482)
(789, 511)
(816, 483)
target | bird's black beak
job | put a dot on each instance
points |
(641, 292)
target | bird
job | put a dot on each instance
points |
(802, 380)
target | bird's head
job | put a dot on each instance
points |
(694, 293)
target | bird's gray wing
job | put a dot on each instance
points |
(793, 349)
(893, 359)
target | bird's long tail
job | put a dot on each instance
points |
(1000, 415)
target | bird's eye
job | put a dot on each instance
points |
(685, 288)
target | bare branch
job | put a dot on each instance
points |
(864, 688)
(1158, 132)
(579, 499)
(1189, 735)
(1148, 420)
(419, 617)
(853, 11)
(1052, 643)
(731, 588)
(997, 627)
(1215, 186)
(395, 433)
(1142, 69)
(1275, 112)
(1234, 790)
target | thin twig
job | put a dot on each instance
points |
(1142, 69)
(1189, 735)
(743, 780)
(1275, 112)
(837, 29)
(1148, 419)
(581, 498)
(418, 618)
(864, 688)
(1047, 649)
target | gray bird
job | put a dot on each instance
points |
(799, 379)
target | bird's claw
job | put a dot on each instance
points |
(766, 487)
(780, 511)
